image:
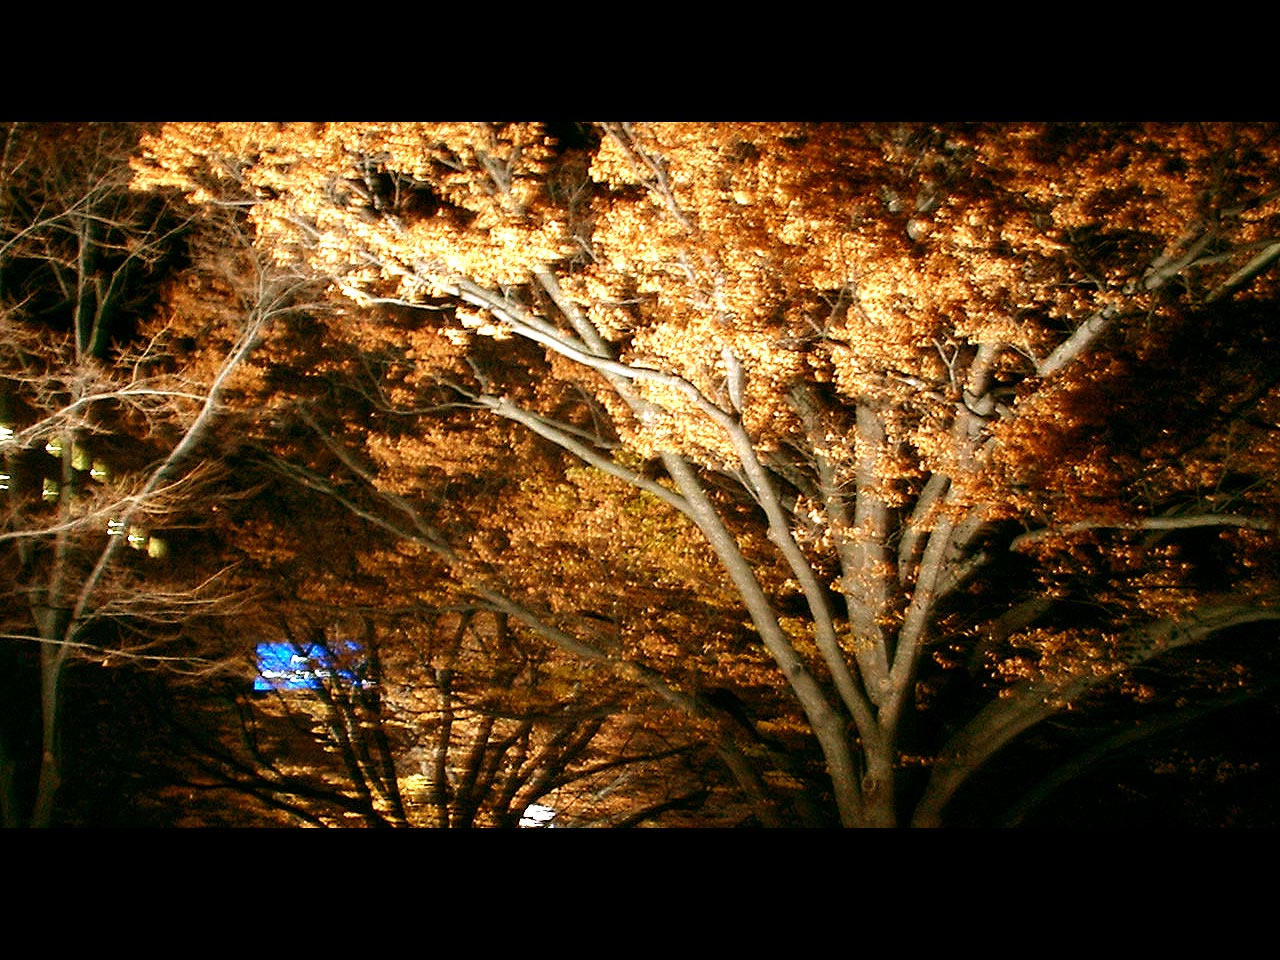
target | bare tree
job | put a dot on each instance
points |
(106, 407)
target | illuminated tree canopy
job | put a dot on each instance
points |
(850, 453)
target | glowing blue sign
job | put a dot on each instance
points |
(284, 666)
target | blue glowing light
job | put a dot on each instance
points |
(284, 666)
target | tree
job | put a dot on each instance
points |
(430, 710)
(483, 712)
(448, 511)
(112, 374)
(977, 417)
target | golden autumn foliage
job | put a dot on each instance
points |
(932, 415)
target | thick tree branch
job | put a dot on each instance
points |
(1031, 701)
(1185, 522)
(1246, 273)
